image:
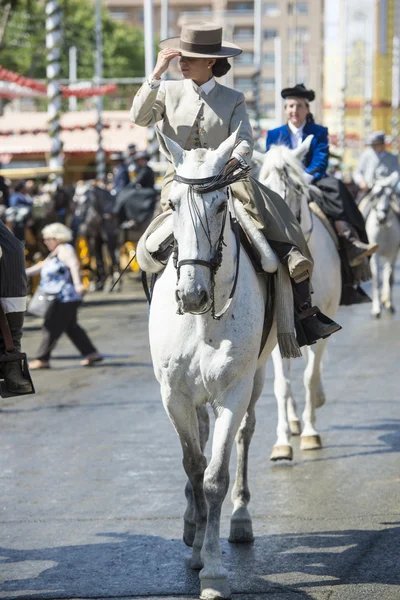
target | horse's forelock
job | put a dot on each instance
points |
(280, 158)
(199, 163)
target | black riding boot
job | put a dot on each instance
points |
(13, 375)
(311, 324)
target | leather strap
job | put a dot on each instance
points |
(6, 332)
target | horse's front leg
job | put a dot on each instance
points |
(387, 285)
(183, 415)
(310, 438)
(376, 304)
(189, 524)
(230, 408)
(241, 526)
(282, 449)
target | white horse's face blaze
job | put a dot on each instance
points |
(198, 221)
(197, 224)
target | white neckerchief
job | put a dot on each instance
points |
(296, 134)
(206, 87)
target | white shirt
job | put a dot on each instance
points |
(296, 134)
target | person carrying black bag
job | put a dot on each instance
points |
(60, 279)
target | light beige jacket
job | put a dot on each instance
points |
(177, 105)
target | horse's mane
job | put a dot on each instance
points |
(281, 158)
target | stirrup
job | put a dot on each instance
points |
(312, 325)
(19, 357)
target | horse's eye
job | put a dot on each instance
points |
(221, 207)
(172, 207)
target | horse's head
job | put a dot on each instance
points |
(381, 196)
(283, 172)
(199, 207)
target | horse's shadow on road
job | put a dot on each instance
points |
(123, 565)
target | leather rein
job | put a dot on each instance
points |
(200, 187)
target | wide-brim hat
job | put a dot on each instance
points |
(142, 154)
(201, 40)
(298, 91)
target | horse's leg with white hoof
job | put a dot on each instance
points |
(376, 304)
(213, 576)
(241, 526)
(189, 525)
(282, 449)
(310, 439)
(387, 285)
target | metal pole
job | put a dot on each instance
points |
(369, 80)
(278, 80)
(73, 74)
(164, 20)
(100, 155)
(257, 52)
(53, 46)
(395, 93)
(342, 106)
(148, 37)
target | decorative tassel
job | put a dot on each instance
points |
(288, 345)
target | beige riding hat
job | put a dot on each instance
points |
(201, 40)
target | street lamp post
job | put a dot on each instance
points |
(100, 155)
(53, 46)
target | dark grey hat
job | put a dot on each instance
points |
(140, 155)
(376, 137)
(298, 91)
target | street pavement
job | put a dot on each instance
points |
(92, 482)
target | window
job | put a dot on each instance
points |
(300, 34)
(238, 7)
(270, 34)
(298, 8)
(118, 14)
(246, 58)
(269, 84)
(271, 9)
(243, 84)
(269, 58)
(243, 33)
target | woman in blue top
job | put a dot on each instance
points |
(60, 277)
(337, 202)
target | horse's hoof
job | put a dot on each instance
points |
(391, 309)
(213, 588)
(241, 532)
(310, 442)
(376, 315)
(320, 399)
(295, 427)
(281, 453)
(196, 561)
(189, 531)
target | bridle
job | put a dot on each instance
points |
(201, 187)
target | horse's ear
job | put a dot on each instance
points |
(304, 147)
(224, 151)
(177, 153)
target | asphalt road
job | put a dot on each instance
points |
(92, 482)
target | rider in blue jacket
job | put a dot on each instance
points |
(337, 202)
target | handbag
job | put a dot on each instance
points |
(41, 302)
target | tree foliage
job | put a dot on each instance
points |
(24, 44)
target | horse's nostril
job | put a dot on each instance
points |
(203, 298)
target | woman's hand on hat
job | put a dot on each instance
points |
(164, 58)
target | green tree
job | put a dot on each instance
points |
(24, 42)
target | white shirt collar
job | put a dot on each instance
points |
(206, 87)
(294, 129)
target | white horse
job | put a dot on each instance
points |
(383, 228)
(283, 172)
(200, 355)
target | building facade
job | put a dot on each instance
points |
(298, 24)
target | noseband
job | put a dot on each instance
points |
(201, 187)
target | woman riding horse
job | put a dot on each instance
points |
(336, 201)
(198, 112)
